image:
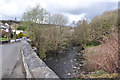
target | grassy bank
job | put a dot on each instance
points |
(101, 74)
(103, 58)
(3, 39)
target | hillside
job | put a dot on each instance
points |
(104, 56)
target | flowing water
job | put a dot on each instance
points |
(65, 65)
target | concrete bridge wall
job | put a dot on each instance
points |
(34, 66)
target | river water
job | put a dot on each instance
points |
(65, 65)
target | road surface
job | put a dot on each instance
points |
(10, 58)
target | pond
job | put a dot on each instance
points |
(67, 64)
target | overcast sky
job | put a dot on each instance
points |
(73, 9)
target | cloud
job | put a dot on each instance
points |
(15, 8)
(89, 8)
(74, 17)
(73, 9)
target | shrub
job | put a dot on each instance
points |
(24, 35)
(93, 43)
(20, 27)
(11, 35)
(20, 35)
(107, 57)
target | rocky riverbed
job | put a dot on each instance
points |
(68, 64)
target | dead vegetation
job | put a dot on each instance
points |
(104, 57)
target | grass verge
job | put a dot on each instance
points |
(3, 39)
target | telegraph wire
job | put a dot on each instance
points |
(8, 16)
(4, 14)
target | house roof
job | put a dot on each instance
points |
(3, 26)
(9, 21)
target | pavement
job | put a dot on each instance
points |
(11, 60)
(13, 40)
(19, 71)
(0, 62)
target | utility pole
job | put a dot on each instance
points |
(9, 34)
(15, 30)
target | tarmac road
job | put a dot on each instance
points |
(10, 57)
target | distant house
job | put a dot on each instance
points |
(3, 27)
(5, 30)
(10, 22)
(72, 30)
(18, 31)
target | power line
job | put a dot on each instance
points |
(12, 17)
(4, 14)
(8, 16)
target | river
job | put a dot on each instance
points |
(67, 64)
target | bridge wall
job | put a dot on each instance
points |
(34, 66)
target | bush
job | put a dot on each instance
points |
(20, 35)
(11, 35)
(93, 43)
(104, 57)
(24, 35)
(21, 28)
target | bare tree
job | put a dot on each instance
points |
(81, 32)
(73, 24)
(58, 19)
(45, 37)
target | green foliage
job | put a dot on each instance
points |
(100, 72)
(36, 14)
(24, 35)
(11, 35)
(42, 53)
(20, 35)
(51, 37)
(101, 26)
(81, 32)
(20, 27)
(45, 37)
(92, 43)
(3, 39)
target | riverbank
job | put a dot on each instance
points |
(102, 60)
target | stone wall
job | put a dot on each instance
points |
(34, 66)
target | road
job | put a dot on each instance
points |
(10, 58)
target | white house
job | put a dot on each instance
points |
(5, 27)
(18, 31)
(72, 30)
